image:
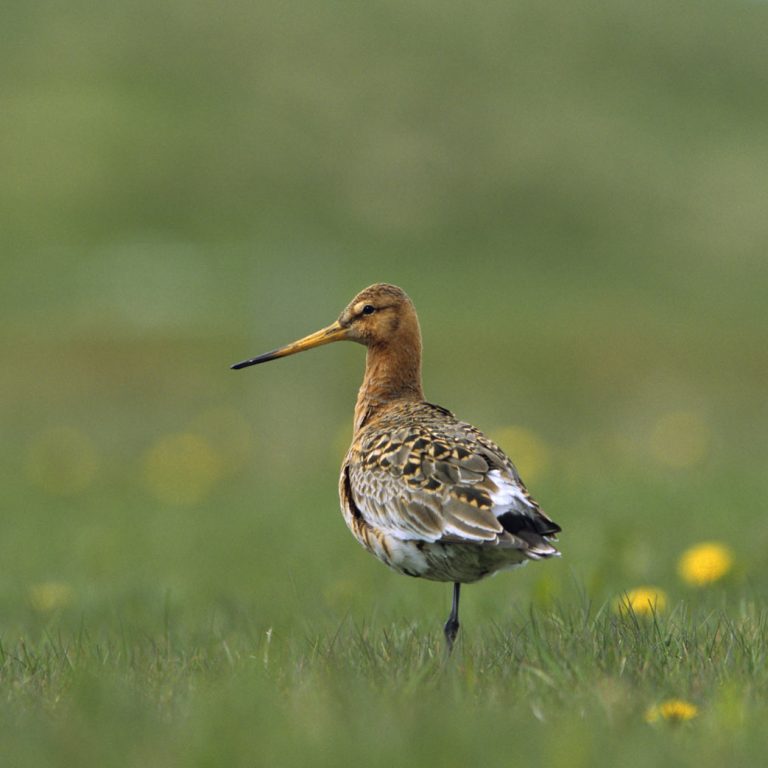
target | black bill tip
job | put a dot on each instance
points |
(273, 355)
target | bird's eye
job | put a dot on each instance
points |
(368, 309)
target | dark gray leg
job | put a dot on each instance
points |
(451, 628)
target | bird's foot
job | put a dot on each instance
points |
(450, 630)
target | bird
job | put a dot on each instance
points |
(429, 495)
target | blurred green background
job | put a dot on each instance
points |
(573, 193)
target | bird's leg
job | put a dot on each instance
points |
(451, 628)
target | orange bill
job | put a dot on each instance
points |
(334, 332)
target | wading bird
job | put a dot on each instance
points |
(429, 495)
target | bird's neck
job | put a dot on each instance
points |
(392, 373)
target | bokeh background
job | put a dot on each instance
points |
(573, 193)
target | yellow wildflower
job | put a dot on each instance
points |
(642, 601)
(705, 563)
(50, 595)
(671, 710)
(182, 469)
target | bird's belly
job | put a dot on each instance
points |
(442, 561)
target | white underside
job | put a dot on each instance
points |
(450, 561)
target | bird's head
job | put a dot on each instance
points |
(380, 316)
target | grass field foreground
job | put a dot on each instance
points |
(569, 685)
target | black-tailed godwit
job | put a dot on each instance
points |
(429, 495)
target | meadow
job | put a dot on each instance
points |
(573, 194)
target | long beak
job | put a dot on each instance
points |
(334, 332)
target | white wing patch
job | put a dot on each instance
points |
(508, 495)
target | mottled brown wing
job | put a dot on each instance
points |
(441, 480)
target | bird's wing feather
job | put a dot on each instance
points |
(443, 480)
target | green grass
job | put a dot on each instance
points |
(570, 684)
(573, 193)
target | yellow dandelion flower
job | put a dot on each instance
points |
(182, 469)
(642, 601)
(530, 451)
(671, 710)
(705, 563)
(50, 595)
